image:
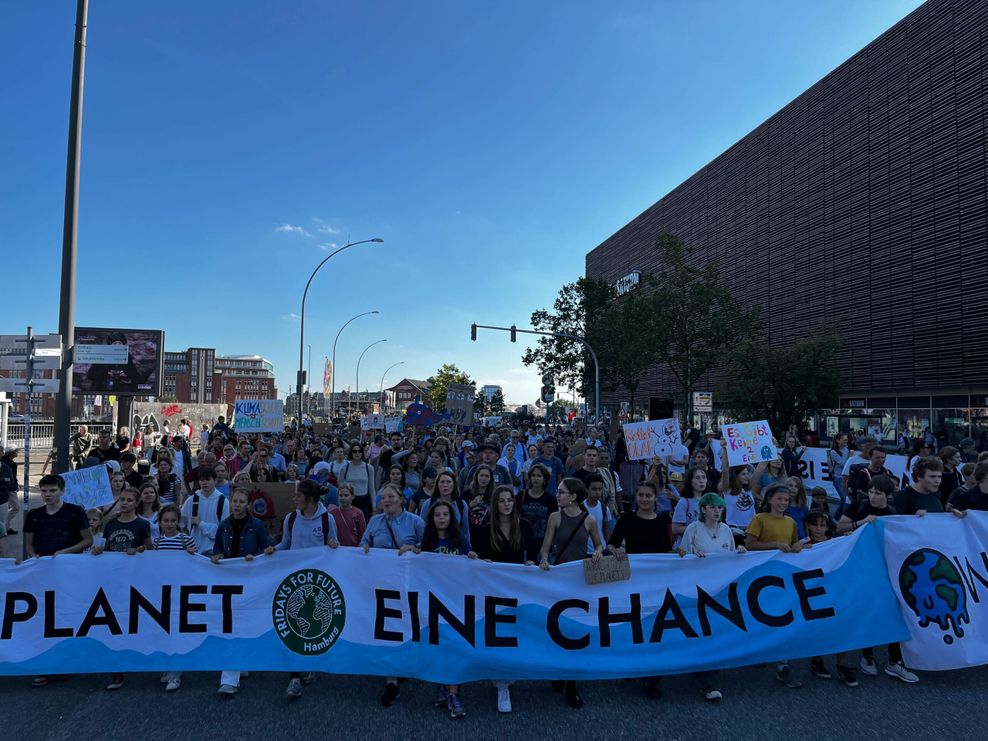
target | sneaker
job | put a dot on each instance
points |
(39, 682)
(455, 706)
(115, 683)
(391, 694)
(503, 700)
(228, 690)
(173, 685)
(819, 669)
(442, 697)
(713, 695)
(294, 688)
(163, 678)
(847, 676)
(786, 675)
(868, 666)
(308, 677)
(899, 671)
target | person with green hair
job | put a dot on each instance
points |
(709, 535)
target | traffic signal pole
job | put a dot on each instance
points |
(576, 338)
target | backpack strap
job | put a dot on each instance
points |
(325, 527)
(219, 508)
(195, 505)
(291, 520)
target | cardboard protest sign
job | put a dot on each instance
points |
(259, 416)
(88, 487)
(459, 403)
(749, 442)
(271, 503)
(657, 437)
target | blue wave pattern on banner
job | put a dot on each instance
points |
(865, 612)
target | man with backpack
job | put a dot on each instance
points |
(861, 474)
(308, 526)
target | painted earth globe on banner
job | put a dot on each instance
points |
(933, 589)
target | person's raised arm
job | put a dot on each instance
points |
(594, 530)
(844, 525)
(756, 478)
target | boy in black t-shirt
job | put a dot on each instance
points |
(58, 527)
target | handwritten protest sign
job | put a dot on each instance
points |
(658, 437)
(88, 487)
(749, 442)
(259, 416)
(459, 403)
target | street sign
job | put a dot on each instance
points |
(548, 394)
(13, 347)
(547, 380)
(703, 401)
(37, 386)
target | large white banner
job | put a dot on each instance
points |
(938, 566)
(441, 618)
(816, 472)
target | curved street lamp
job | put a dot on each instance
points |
(381, 392)
(301, 332)
(378, 342)
(332, 376)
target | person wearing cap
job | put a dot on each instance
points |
(465, 456)
(488, 457)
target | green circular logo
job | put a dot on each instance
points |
(308, 612)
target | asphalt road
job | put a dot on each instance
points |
(948, 705)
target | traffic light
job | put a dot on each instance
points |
(473, 332)
(514, 333)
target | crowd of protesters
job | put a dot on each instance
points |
(532, 494)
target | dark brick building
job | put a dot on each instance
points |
(863, 204)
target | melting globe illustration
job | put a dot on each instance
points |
(933, 589)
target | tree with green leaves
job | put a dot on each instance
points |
(439, 384)
(497, 403)
(782, 386)
(626, 341)
(567, 360)
(694, 318)
(479, 406)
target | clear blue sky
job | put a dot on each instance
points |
(228, 143)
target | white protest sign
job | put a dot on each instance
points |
(259, 416)
(658, 437)
(372, 422)
(88, 487)
(749, 442)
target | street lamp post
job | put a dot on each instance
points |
(381, 392)
(332, 378)
(378, 342)
(301, 332)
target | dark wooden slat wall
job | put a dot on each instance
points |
(861, 203)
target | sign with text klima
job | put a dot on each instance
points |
(749, 443)
(259, 416)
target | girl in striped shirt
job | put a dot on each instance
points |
(170, 539)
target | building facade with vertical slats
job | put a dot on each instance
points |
(862, 203)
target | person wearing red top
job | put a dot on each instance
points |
(350, 521)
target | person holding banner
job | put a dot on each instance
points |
(566, 534)
(394, 529)
(239, 536)
(772, 529)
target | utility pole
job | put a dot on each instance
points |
(70, 227)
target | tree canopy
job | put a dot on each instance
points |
(440, 381)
